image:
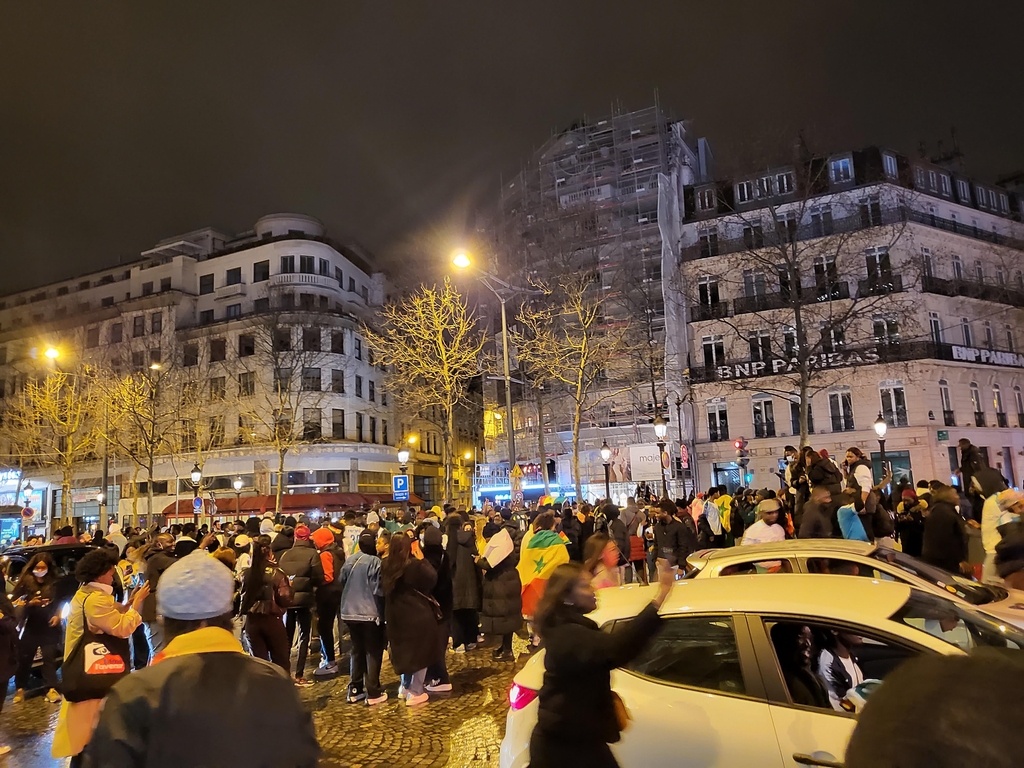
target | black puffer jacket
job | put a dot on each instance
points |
(301, 564)
(156, 563)
(945, 541)
(502, 610)
(465, 572)
(281, 543)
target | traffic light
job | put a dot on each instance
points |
(742, 454)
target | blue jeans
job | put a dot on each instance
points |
(414, 683)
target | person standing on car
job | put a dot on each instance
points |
(35, 595)
(577, 671)
(95, 608)
(301, 564)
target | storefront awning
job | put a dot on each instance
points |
(291, 503)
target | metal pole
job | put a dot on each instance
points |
(607, 481)
(881, 451)
(195, 495)
(104, 514)
(664, 484)
(511, 426)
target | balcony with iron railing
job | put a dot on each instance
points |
(948, 419)
(1002, 420)
(719, 434)
(974, 289)
(845, 225)
(879, 285)
(979, 419)
(764, 429)
(1020, 420)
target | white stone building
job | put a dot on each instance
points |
(908, 277)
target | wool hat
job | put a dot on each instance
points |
(302, 533)
(490, 529)
(196, 587)
(909, 493)
(372, 518)
(267, 526)
(506, 513)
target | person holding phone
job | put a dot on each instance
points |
(34, 597)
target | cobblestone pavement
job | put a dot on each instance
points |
(461, 729)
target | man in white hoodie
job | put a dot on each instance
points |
(114, 536)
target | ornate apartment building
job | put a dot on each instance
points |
(863, 284)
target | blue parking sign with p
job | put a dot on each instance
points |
(400, 487)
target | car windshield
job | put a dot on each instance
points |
(956, 624)
(971, 591)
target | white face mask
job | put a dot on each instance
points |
(40, 572)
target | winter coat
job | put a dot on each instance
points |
(674, 541)
(586, 531)
(825, 474)
(35, 619)
(156, 563)
(816, 522)
(8, 639)
(571, 529)
(517, 539)
(850, 524)
(282, 543)
(466, 593)
(577, 675)
(272, 594)
(618, 533)
(945, 541)
(910, 527)
(413, 630)
(360, 578)
(176, 712)
(502, 608)
(301, 564)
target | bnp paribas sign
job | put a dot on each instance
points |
(780, 366)
(988, 356)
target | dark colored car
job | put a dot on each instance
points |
(64, 556)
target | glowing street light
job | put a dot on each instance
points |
(403, 459)
(661, 430)
(880, 429)
(238, 493)
(461, 260)
(52, 353)
(606, 455)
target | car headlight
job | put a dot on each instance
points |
(64, 611)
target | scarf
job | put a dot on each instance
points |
(204, 640)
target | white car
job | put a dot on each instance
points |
(856, 558)
(709, 690)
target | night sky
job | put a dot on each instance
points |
(124, 123)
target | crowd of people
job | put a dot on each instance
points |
(409, 587)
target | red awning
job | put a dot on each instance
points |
(290, 503)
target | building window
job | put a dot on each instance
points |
(261, 271)
(1008, 336)
(840, 406)
(933, 179)
(351, 285)
(138, 326)
(963, 191)
(714, 351)
(216, 431)
(218, 350)
(718, 421)
(871, 212)
(841, 170)
(764, 417)
(754, 283)
(958, 268)
(339, 276)
(833, 338)
(359, 427)
(997, 403)
(165, 284)
(338, 423)
(261, 305)
(311, 380)
(338, 382)
(965, 329)
(978, 405)
(287, 264)
(371, 391)
(708, 240)
(283, 340)
(338, 342)
(92, 337)
(233, 276)
(979, 272)
(282, 379)
(312, 424)
(744, 192)
(359, 386)
(821, 221)
(1018, 398)
(786, 227)
(218, 388)
(1004, 204)
(944, 185)
(784, 183)
(935, 326)
(947, 404)
(879, 266)
(357, 344)
(753, 236)
(789, 345)
(794, 417)
(205, 284)
(190, 356)
(707, 291)
(306, 265)
(147, 288)
(246, 346)
(206, 317)
(826, 278)
(706, 200)
(310, 339)
(889, 162)
(116, 333)
(246, 384)
(894, 404)
(232, 311)
(764, 186)
(979, 192)
(373, 429)
(760, 347)
(325, 267)
(990, 337)
(156, 322)
(886, 330)
(927, 266)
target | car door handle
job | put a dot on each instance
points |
(808, 760)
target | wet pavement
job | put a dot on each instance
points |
(461, 729)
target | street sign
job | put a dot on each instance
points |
(943, 435)
(684, 456)
(517, 471)
(400, 487)
(27, 513)
(197, 503)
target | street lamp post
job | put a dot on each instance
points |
(660, 431)
(196, 476)
(238, 495)
(606, 455)
(880, 429)
(403, 459)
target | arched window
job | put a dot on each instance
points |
(947, 404)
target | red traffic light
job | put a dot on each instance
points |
(737, 444)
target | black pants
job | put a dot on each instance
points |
(140, 648)
(327, 604)
(557, 752)
(366, 657)
(30, 641)
(465, 624)
(506, 641)
(303, 617)
(268, 639)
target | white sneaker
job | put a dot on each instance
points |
(327, 669)
(415, 701)
(461, 649)
(379, 700)
(436, 686)
(402, 693)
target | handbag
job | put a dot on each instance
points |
(95, 664)
(438, 613)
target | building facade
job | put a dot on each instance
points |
(249, 351)
(862, 285)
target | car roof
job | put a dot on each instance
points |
(788, 547)
(865, 601)
(53, 548)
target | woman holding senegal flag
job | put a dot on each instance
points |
(542, 550)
